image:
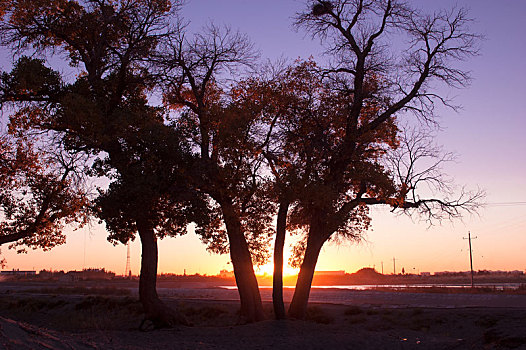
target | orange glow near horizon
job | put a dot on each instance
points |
(415, 246)
(268, 269)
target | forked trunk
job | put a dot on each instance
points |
(247, 284)
(277, 278)
(298, 305)
(156, 311)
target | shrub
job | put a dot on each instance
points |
(316, 314)
(353, 310)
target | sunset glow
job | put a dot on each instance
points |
(268, 269)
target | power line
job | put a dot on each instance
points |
(497, 204)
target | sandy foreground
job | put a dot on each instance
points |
(336, 320)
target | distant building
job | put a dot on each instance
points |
(87, 274)
(425, 274)
(500, 273)
(18, 273)
(330, 273)
(45, 274)
(225, 274)
(451, 273)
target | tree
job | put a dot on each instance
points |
(105, 113)
(353, 119)
(416, 166)
(282, 94)
(42, 187)
(220, 125)
(40, 192)
(304, 119)
(148, 196)
(294, 105)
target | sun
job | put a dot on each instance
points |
(268, 269)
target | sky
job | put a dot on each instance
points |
(488, 134)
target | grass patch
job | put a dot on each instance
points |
(353, 310)
(205, 312)
(379, 327)
(486, 321)
(82, 291)
(63, 313)
(91, 302)
(388, 318)
(421, 324)
(417, 311)
(372, 312)
(355, 319)
(99, 312)
(502, 340)
(34, 304)
(316, 314)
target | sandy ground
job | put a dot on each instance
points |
(363, 297)
(360, 320)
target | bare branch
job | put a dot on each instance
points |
(423, 188)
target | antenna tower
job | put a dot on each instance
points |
(127, 272)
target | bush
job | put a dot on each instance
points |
(316, 314)
(353, 310)
(82, 291)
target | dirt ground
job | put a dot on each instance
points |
(46, 320)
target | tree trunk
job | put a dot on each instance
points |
(277, 278)
(298, 306)
(247, 284)
(156, 311)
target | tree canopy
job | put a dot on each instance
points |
(227, 149)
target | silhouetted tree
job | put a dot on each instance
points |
(105, 113)
(281, 95)
(148, 196)
(40, 192)
(348, 127)
(304, 122)
(220, 125)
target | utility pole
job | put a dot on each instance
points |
(382, 267)
(470, 256)
(394, 266)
